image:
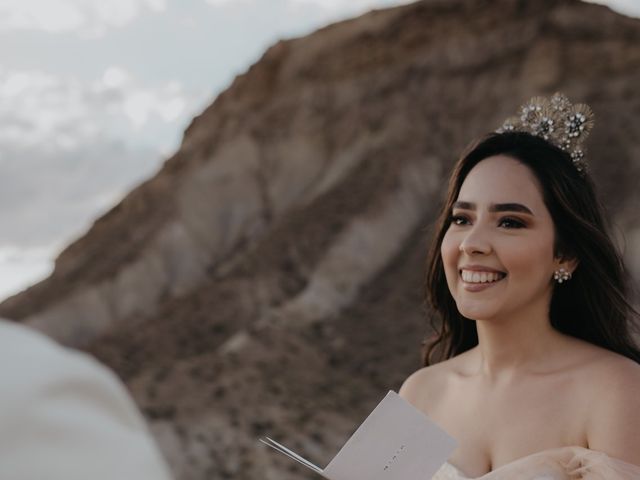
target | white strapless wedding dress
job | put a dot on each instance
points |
(565, 463)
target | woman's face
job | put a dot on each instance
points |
(498, 250)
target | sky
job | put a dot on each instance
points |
(95, 95)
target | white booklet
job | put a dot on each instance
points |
(395, 442)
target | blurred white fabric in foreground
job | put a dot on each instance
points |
(63, 416)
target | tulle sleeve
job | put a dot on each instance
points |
(587, 464)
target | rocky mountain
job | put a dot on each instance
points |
(268, 280)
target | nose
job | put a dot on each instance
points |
(475, 242)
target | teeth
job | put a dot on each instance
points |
(481, 277)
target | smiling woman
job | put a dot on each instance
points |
(522, 244)
(533, 368)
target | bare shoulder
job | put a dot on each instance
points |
(607, 375)
(614, 423)
(618, 365)
(613, 374)
(418, 383)
(427, 385)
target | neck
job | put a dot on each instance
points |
(514, 346)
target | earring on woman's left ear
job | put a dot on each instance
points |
(561, 275)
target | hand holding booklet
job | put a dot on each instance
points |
(395, 442)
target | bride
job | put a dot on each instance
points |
(539, 375)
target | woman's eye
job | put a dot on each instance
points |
(512, 223)
(457, 220)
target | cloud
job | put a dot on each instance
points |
(82, 16)
(626, 7)
(21, 267)
(317, 11)
(120, 92)
(39, 108)
(69, 150)
(327, 4)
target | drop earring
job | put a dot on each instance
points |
(561, 275)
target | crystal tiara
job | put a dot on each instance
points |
(558, 121)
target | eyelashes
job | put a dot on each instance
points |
(457, 220)
(508, 222)
(513, 222)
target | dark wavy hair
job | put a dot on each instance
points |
(592, 306)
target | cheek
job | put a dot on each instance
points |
(530, 259)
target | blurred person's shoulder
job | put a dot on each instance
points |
(35, 367)
(53, 392)
(29, 358)
(19, 340)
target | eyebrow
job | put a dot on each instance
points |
(495, 207)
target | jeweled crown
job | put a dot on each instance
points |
(558, 121)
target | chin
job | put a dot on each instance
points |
(477, 313)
